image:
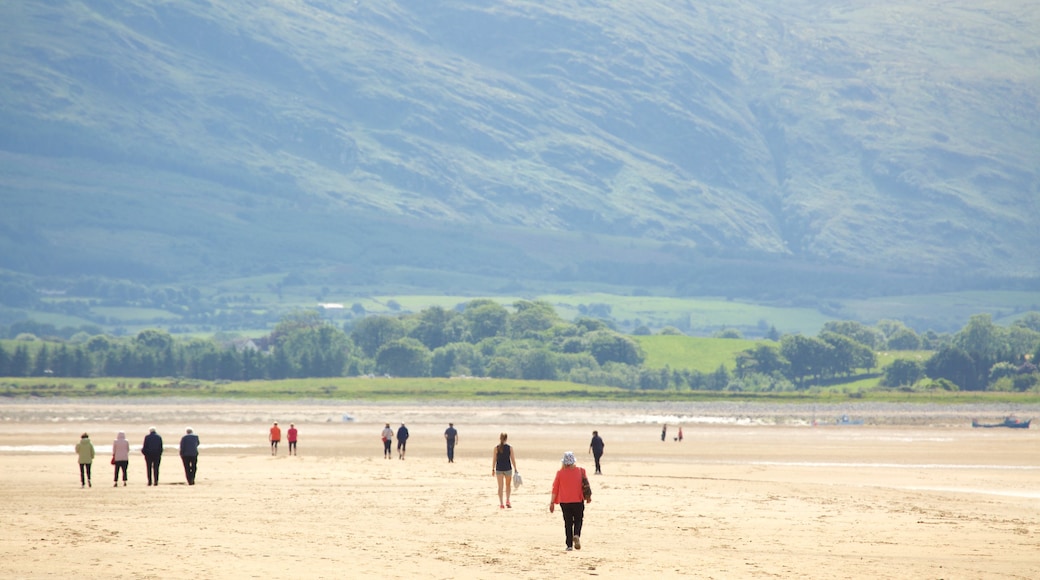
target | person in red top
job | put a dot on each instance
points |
(276, 436)
(567, 490)
(292, 439)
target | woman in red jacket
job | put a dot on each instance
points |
(568, 491)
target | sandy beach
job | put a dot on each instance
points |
(751, 492)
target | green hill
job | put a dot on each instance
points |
(782, 151)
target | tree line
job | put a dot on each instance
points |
(528, 340)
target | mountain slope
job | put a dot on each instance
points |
(168, 139)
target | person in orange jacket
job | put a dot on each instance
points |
(568, 490)
(275, 437)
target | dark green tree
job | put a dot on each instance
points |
(763, 359)
(807, 355)
(902, 372)
(955, 365)
(609, 346)
(42, 362)
(531, 319)
(857, 331)
(904, 339)
(486, 319)
(372, 332)
(20, 361)
(537, 364)
(404, 357)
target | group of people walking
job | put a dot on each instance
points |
(388, 439)
(275, 437)
(570, 488)
(151, 448)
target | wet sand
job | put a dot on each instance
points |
(738, 498)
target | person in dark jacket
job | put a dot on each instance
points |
(596, 448)
(402, 441)
(190, 454)
(152, 449)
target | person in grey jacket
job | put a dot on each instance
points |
(190, 454)
(152, 450)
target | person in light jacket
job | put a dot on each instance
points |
(121, 454)
(85, 453)
(152, 450)
(388, 438)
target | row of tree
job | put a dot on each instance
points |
(530, 341)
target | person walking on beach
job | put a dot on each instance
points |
(664, 432)
(679, 438)
(596, 449)
(568, 491)
(388, 437)
(190, 454)
(152, 449)
(275, 437)
(402, 441)
(120, 457)
(451, 436)
(292, 435)
(503, 463)
(85, 453)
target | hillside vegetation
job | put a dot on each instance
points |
(828, 149)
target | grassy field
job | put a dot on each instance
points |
(693, 353)
(459, 390)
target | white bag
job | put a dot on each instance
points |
(517, 480)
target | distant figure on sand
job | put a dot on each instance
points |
(152, 449)
(679, 438)
(451, 436)
(190, 454)
(292, 436)
(596, 449)
(503, 462)
(664, 432)
(388, 437)
(402, 441)
(275, 437)
(85, 453)
(121, 457)
(568, 490)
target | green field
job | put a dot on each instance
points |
(458, 390)
(687, 352)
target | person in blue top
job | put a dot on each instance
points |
(596, 448)
(402, 440)
(451, 435)
(190, 454)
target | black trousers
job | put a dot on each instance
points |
(191, 463)
(84, 467)
(120, 466)
(573, 514)
(151, 464)
(451, 452)
(596, 456)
